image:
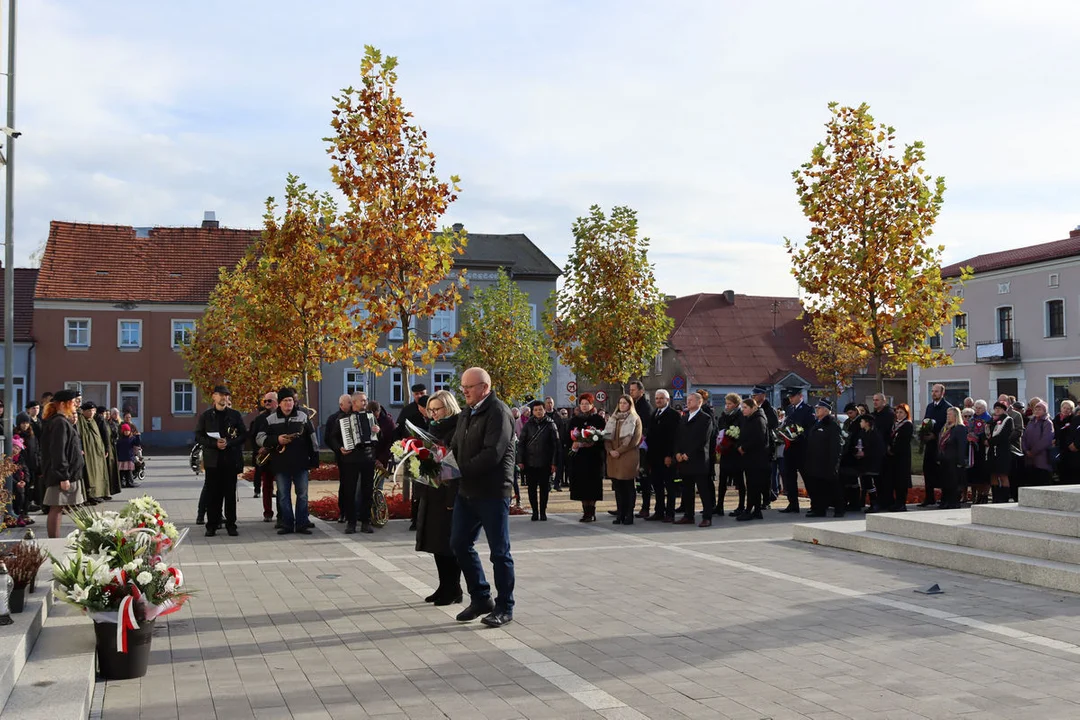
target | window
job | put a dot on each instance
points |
(77, 332)
(934, 341)
(1054, 280)
(355, 381)
(959, 331)
(1063, 388)
(1055, 318)
(397, 389)
(130, 396)
(19, 386)
(441, 380)
(532, 316)
(395, 332)
(95, 392)
(443, 324)
(129, 334)
(183, 397)
(182, 332)
(658, 366)
(1005, 323)
(955, 391)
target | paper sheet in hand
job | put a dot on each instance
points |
(213, 435)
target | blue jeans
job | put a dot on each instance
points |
(285, 484)
(493, 515)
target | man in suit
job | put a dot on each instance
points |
(660, 456)
(884, 417)
(760, 396)
(937, 410)
(692, 455)
(641, 405)
(483, 446)
(221, 432)
(798, 414)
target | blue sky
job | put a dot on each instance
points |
(693, 113)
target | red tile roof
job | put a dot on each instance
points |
(1058, 249)
(114, 263)
(25, 279)
(723, 343)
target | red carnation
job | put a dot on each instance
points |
(423, 454)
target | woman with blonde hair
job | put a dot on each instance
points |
(952, 458)
(61, 458)
(622, 437)
(434, 516)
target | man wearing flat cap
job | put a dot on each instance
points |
(413, 412)
(822, 459)
(221, 432)
(798, 419)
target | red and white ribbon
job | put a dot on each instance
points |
(125, 620)
(178, 576)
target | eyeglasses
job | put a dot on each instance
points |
(434, 408)
(268, 402)
(463, 388)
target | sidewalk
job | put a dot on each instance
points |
(649, 621)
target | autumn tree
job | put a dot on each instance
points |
(391, 253)
(282, 311)
(497, 334)
(871, 279)
(834, 364)
(609, 319)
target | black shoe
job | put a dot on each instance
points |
(737, 512)
(498, 619)
(232, 532)
(304, 530)
(814, 513)
(838, 513)
(535, 517)
(106, 498)
(613, 513)
(278, 525)
(756, 515)
(543, 517)
(628, 521)
(33, 508)
(210, 532)
(366, 528)
(201, 520)
(284, 531)
(448, 599)
(341, 519)
(476, 610)
(432, 597)
(679, 510)
(412, 526)
(268, 519)
(310, 525)
(350, 529)
(744, 516)
(617, 521)
(257, 495)
(791, 508)
(655, 517)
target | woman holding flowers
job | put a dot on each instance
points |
(62, 458)
(587, 467)
(435, 513)
(622, 438)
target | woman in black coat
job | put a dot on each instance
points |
(587, 467)
(537, 454)
(952, 459)
(896, 468)
(999, 452)
(434, 515)
(870, 458)
(754, 458)
(61, 458)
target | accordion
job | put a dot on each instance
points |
(352, 434)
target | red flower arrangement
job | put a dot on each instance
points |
(325, 472)
(327, 508)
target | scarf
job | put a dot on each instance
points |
(623, 422)
(896, 426)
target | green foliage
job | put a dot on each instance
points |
(497, 334)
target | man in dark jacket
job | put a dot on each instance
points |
(660, 455)
(294, 449)
(560, 455)
(884, 417)
(483, 446)
(537, 449)
(937, 411)
(772, 421)
(413, 412)
(798, 415)
(821, 463)
(334, 440)
(221, 432)
(357, 466)
(692, 453)
(641, 405)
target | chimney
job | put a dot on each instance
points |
(209, 220)
(1075, 232)
(458, 227)
(729, 295)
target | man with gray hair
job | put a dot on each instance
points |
(660, 456)
(347, 472)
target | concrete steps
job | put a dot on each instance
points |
(1036, 542)
(17, 640)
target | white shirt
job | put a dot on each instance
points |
(691, 415)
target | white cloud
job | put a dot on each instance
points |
(693, 113)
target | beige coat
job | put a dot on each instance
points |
(624, 467)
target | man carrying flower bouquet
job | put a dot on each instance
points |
(483, 446)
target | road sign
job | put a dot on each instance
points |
(571, 387)
(572, 398)
(601, 396)
(679, 394)
(678, 382)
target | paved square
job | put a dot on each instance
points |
(650, 621)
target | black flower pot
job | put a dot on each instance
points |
(115, 665)
(32, 586)
(17, 599)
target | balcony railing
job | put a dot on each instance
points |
(1000, 351)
